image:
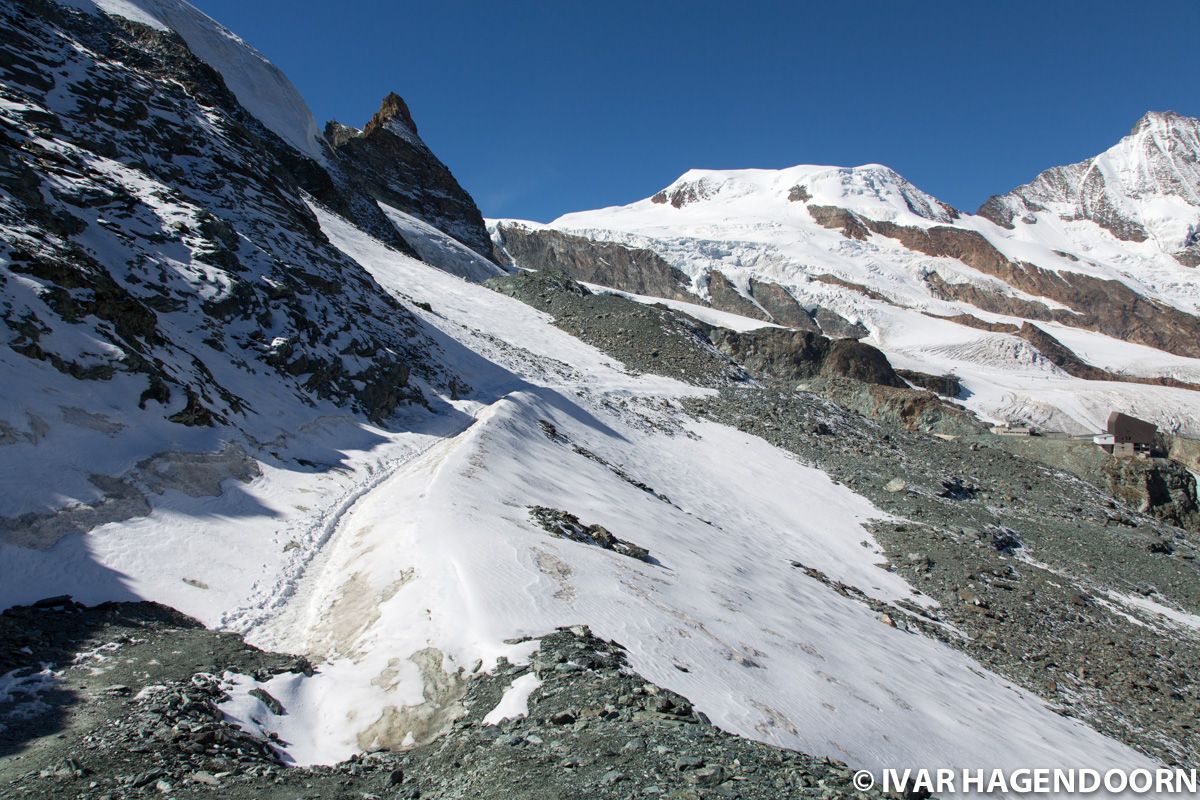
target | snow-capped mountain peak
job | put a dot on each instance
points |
(873, 190)
(1145, 188)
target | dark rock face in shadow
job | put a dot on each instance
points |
(628, 269)
(391, 163)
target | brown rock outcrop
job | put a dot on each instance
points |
(629, 269)
(724, 296)
(839, 219)
(1107, 306)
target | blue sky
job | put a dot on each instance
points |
(541, 108)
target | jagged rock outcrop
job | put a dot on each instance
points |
(779, 354)
(629, 269)
(724, 295)
(392, 164)
(781, 306)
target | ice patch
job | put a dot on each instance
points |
(515, 702)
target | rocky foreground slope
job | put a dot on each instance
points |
(139, 710)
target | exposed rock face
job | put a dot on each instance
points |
(1060, 355)
(972, 321)
(834, 280)
(126, 219)
(834, 218)
(392, 164)
(995, 300)
(1065, 359)
(835, 326)
(642, 271)
(628, 269)
(911, 409)
(862, 362)
(777, 354)
(773, 353)
(781, 305)
(723, 295)
(943, 385)
(1155, 486)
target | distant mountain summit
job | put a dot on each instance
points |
(1145, 188)
(1086, 272)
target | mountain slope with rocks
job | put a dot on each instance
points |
(304, 494)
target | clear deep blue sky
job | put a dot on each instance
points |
(540, 108)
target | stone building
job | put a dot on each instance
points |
(1127, 435)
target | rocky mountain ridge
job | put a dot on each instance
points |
(1123, 190)
(392, 164)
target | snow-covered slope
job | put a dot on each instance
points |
(223, 394)
(942, 291)
(259, 85)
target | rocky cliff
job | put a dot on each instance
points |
(629, 269)
(392, 164)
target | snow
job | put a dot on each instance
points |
(1158, 610)
(440, 249)
(743, 223)
(21, 690)
(515, 702)
(260, 86)
(443, 556)
(399, 557)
